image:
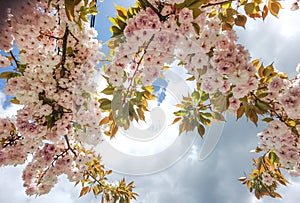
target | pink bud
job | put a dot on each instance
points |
(295, 6)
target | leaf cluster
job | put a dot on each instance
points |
(86, 8)
(124, 107)
(95, 180)
(258, 9)
(267, 163)
(196, 112)
(119, 22)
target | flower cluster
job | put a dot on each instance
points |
(267, 179)
(282, 135)
(11, 150)
(56, 84)
(290, 99)
(278, 136)
(204, 48)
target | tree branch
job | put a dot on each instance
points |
(146, 4)
(136, 70)
(215, 4)
(69, 146)
(64, 47)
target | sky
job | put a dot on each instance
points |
(190, 179)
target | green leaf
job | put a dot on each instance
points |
(105, 104)
(195, 95)
(176, 120)
(212, 13)
(116, 102)
(218, 116)
(9, 74)
(291, 122)
(206, 114)
(262, 105)
(115, 30)
(182, 126)
(249, 8)
(240, 112)
(69, 8)
(269, 71)
(14, 101)
(122, 12)
(84, 191)
(105, 120)
(273, 157)
(141, 114)
(204, 96)
(196, 12)
(274, 7)
(251, 114)
(120, 23)
(240, 20)
(226, 4)
(262, 95)
(191, 78)
(50, 121)
(180, 113)
(113, 20)
(257, 150)
(148, 88)
(195, 4)
(108, 90)
(226, 26)
(201, 130)
(265, 12)
(77, 126)
(196, 28)
(220, 103)
(267, 120)
(204, 120)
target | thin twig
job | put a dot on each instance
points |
(14, 58)
(65, 43)
(62, 154)
(12, 141)
(77, 40)
(271, 110)
(136, 70)
(215, 4)
(50, 36)
(69, 147)
(94, 178)
(146, 3)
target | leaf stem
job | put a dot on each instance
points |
(14, 58)
(215, 4)
(137, 68)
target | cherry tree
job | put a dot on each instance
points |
(55, 55)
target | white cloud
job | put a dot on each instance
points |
(8, 111)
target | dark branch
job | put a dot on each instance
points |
(144, 49)
(215, 4)
(69, 146)
(146, 3)
(14, 58)
(93, 18)
(64, 48)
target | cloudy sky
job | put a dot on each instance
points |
(191, 180)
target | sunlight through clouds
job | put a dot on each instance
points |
(213, 180)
